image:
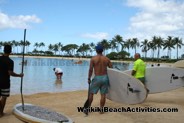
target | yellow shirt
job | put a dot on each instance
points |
(139, 67)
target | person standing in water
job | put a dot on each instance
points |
(58, 73)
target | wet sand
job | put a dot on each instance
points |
(67, 103)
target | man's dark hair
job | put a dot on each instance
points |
(7, 49)
(99, 48)
(99, 51)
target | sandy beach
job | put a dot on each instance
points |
(67, 103)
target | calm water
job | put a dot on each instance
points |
(39, 75)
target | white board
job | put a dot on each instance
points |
(39, 114)
(120, 86)
(158, 65)
(161, 79)
(179, 64)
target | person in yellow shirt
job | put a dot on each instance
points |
(139, 68)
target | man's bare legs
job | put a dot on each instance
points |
(102, 100)
(90, 99)
(2, 105)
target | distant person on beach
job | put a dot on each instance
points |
(99, 64)
(58, 73)
(78, 62)
(6, 70)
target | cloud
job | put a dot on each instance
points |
(98, 35)
(21, 21)
(157, 17)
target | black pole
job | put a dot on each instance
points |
(23, 69)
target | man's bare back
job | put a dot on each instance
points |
(100, 64)
(101, 81)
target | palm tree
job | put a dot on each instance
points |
(35, 51)
(60, 47)
(105, 45)
(145, 45)
(36, 45)
(113, 45)
(169, 44)
(84, 48)
(27, 44)
(13, 44)
(152, 46)
(127, 44)
(55, 48)
(73, 48)
(158, 42)
(134, 43)
(17, 44)
(119, 40)
(22, 44)
(50, 47)
(41, 44)
(178, 42)
(92, 47)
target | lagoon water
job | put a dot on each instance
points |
(39, 75)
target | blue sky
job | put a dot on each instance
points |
(85, 21)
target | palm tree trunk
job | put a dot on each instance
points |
(153, 54)
(177, 51)
(170, 54)
(135, 50)
(158, 54)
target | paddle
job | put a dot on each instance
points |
(86, 104)
(22, 71)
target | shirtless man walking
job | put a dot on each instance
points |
(99, 64)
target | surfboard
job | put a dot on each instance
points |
(179, 64)
(36, 114)
(125, 88)
(162, 79)
(157, 65)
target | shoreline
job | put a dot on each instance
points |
(67, 103)
(88, 59)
